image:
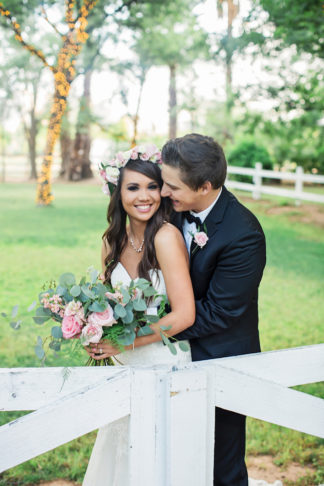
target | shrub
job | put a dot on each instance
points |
(246, 154)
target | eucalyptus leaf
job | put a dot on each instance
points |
(55, 345)
(56, 332)
(165, 328)
(82, 281)
(32, 306)
(39, 351)
(164, 339)
(150, 318)
(139, 304)
(40, 320)
(3, 314)
(126, 296)
(129, 316)
(127, 338)
(75, 290)
(14, 311)
(149, 292)
(39, 341)
(184, 346)
(61, 290)
(144, 331)
(101, 289)
(15, 325)
(172, 347)
(120, 311)
(42, 312)
(85, 289)
(94, 275)
(67, 280)
(98, 306)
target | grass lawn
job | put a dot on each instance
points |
(38, 244)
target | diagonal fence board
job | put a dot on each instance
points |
(268, 401)
(65, 419)
(289, 367)
(32, 388)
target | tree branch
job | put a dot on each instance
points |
(16, 28)
(50, 23)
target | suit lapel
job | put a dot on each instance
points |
(213, 219)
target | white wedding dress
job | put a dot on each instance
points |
(108, 465)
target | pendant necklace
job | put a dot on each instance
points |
(132, 244)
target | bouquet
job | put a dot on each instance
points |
(89, 311)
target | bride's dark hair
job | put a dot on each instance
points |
(116, 234)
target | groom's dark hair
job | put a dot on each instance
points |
(199, 159)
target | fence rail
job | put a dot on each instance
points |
(18, 170)
(171, 409)
(257, 188)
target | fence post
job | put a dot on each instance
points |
(299, 185)
(257, 181)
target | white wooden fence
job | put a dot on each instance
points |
(171, 408)
(257, 188)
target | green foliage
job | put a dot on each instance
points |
(297, 23)
(246, 154)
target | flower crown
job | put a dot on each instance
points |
(109, 171)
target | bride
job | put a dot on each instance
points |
(148, 246)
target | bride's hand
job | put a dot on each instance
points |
(101, 350)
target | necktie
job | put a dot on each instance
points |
(192, 219)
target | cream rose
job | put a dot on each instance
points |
(105, 318)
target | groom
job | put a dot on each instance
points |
(226, 271)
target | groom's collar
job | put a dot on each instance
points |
(214, 217)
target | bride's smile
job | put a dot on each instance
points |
(140, 195)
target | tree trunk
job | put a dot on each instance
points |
(172, 103)
(136, 116)
(32, 133)
(44, 196)
(66, 151)
(80, 167)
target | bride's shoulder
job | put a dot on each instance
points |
(166, 234)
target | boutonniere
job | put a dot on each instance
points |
(200, 238)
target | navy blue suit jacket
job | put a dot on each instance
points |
(226, 274)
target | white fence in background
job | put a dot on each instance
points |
(16, 169)
(171, 409)
(257, 188)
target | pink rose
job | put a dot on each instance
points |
(201, 239)
(150, 150)
(105, 318)
(71, 326)
(134, 154)
(91, 333)
(120, 158)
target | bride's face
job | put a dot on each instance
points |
(140, 195)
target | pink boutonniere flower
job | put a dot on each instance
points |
(201, 239)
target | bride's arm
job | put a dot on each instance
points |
(172, 256)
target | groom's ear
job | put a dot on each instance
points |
(206, 188)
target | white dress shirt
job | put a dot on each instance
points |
(191, 228)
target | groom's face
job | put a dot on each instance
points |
(182, 196)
